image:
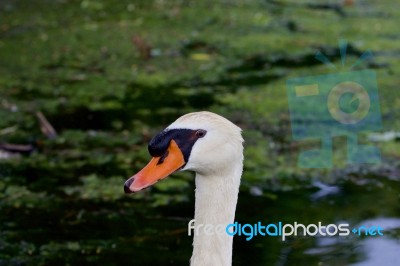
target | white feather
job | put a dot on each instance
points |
(217, 160)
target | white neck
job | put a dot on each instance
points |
(216, 198)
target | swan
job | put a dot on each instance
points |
(212, 147)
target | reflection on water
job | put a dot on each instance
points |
(373, 203)
(381, 250)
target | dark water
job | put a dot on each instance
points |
(375, 202)
(140, 235)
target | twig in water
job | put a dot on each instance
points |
(8, 130)
(46, 128)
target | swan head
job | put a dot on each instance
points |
(203, 142)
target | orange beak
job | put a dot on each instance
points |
(158, 168)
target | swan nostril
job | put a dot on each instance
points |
(127, 185)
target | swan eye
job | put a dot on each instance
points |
(200, 133)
